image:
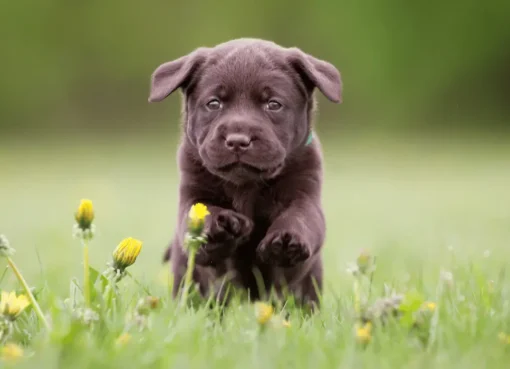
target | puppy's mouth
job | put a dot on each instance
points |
(240, 168)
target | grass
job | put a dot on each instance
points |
(421, 206)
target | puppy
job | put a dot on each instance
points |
(248, 152)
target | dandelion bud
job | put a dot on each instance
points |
(6, 328)
(145, 305)
(196, 218)
(11, 305)
(153, 302)
(5, 247)
(11, 352)
(126, 253)
(263, 312)
(364, 262)
(85, 214)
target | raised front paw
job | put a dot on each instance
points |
(227, 225)
(225, 231)
(283, 248)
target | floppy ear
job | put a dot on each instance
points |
(317, 73)
(169, 76)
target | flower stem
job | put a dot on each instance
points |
(110, 289)
(189, 274)
(86, 273)
(31, 297)
(371, 279)
(357, 298)
(138, 283)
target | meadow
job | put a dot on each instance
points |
(434, 211)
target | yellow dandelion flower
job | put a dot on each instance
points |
(126, 253)
(196, 217)
(364, 333)
(123, 339)
(12, 305)
(11, 352)
(430, 306)
(85, 214)
(263, 312)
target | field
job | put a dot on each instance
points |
(424, 207)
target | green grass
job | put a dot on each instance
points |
(421, 206)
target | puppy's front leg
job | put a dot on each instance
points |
(294, 236)
(292, 245)
(225, 230)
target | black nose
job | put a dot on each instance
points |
(238, 142)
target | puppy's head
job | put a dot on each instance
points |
(247, 103)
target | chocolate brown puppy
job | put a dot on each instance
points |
(248, 153)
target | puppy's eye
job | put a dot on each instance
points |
(214, 104)
(273, 105)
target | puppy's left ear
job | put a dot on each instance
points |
(169, 76)
(317, 73)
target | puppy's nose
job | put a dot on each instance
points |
(238, 142)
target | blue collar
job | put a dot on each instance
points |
(309, 140)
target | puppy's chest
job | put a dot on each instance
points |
(254, 202)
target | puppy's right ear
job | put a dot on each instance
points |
(169, 76)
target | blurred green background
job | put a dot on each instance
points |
(417, 156)
(68, 65)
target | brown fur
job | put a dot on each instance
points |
(247, 114)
